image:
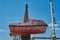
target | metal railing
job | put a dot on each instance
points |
(44, 38)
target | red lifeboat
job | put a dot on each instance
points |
(31, 27)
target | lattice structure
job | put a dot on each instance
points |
(53, 35)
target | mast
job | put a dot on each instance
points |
(26, 14)
(53, 21)
(26, 19)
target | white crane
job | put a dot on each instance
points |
(53, 21)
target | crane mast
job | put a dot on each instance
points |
(53, 21)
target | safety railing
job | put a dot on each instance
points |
(44, 38)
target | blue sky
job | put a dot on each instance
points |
(12, 11)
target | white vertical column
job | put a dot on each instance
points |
(14, 38)
(52, 19)
(51, 9)
(19, 37)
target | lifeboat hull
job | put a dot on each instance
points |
(25, 30)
